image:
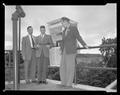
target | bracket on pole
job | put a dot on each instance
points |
(18, 13)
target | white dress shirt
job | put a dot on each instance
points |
(67, 29)
(31, 40)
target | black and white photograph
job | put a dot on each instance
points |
(61, 47)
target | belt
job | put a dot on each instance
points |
(32, 48)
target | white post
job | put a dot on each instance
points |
(15, 19)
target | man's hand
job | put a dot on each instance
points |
(23, 57)
(59, 34)
(37, 46)
(48, 46)
(86, 47)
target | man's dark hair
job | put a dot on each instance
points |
(29, 27)
(65, 19)
(42, 26)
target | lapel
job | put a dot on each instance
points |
(39, 39)
(44, 38)
(34, 38)
(28, 40)
(63, 34)
(68, 33)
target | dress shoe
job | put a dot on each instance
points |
(27, 81)
(33, 81)
(61, 85)
(39, 82)
(45, 82)
(68, 87)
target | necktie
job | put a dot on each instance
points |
(32, 41)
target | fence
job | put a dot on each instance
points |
(109, 87)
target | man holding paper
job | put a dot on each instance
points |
(44, 43)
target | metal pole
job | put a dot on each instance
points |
(18, 13)
(75, 71)
(9, 58)
(19, 50)
(9, 66)
(19, 31)
(14, 22)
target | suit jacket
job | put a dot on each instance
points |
(46, 40)
(69, 41)
(26, 47)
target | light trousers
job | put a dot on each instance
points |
(67, 68)
(30, 67)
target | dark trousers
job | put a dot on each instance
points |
(42, 66)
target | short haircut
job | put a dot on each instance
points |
(65, 19)
(29, 27)
(42, 26)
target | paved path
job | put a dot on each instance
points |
(52, 85)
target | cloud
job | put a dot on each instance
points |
(94, 21)
(8, 45)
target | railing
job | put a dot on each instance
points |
(108, 45)
(109, 87)
(114, 83)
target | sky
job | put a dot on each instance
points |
(94, 22)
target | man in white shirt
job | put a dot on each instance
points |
(29, 57)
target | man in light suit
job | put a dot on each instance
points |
(44, 43)
(29, 57)
(68, 46)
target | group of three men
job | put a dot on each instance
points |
(38, 52)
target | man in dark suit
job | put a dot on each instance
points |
(44, 43)
(68, 46)
(28, 53)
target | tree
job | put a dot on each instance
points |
(109, 53)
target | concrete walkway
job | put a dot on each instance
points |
(52, 85)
